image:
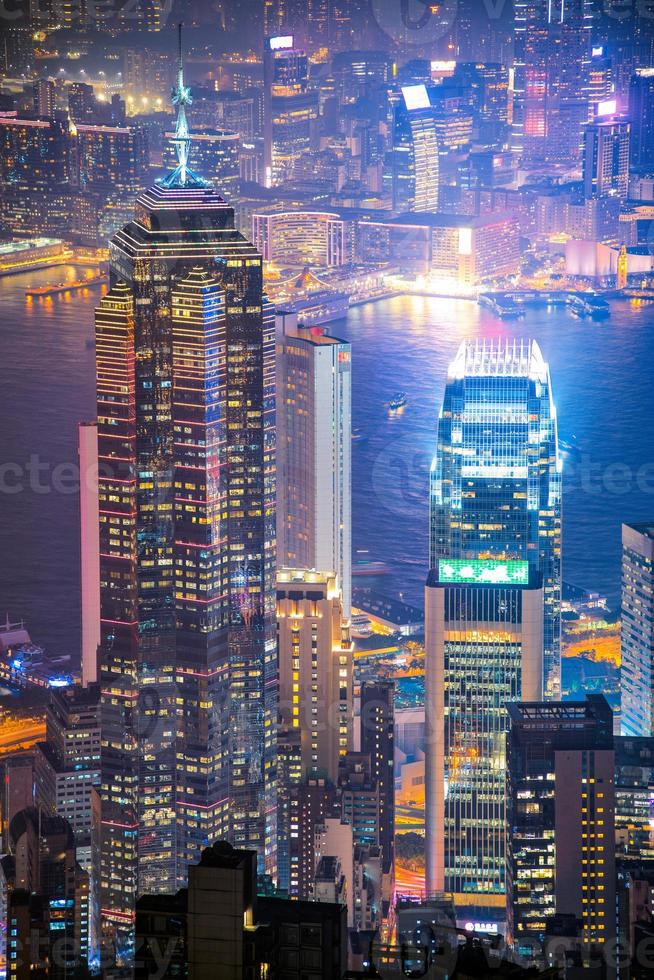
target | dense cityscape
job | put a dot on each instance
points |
(327, 591)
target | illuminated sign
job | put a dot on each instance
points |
(415, 97)
(482, 571)
(439, 66)
(598, 51)
(490, 927)
(281, 43)
(607, 108)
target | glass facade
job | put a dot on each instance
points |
(496, 476)
(637, 630)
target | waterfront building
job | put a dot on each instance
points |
(637, 630)
(606, 158)
(634, 792)
(560, 798)
(315, 668)
(185, 365)
(641, 116)
(552, 52)
(302, 238)
(411, 169)
(483, 650)
(496, 475)
(314, 447)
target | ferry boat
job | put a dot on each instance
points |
(360, 626)
(398, 401)
(359, 436)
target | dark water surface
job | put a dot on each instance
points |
(603, 380)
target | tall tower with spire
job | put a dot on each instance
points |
(185, 382)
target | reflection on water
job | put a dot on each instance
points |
(603, 385)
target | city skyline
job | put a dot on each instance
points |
(355, 685)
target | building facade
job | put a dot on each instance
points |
(496, 475)
(185, 348)
(484, 649)
(637, 630)
(314, 447)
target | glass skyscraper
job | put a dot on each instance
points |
(496, 477)
(185, 362)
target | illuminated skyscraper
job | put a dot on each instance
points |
(314, 448)
(185, 362)
(484, 650)
(496, 476)
(637, 629)
(552, 51)
(412, 164)
(290, 109)
(606, 158)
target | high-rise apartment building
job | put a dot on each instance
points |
(637, 630)
(315, 668)
(560, 822)
(484, 650)
(412, 165)
(185, 364)
(606, 158)
(496, 475)
(314, 447)
(552, 51)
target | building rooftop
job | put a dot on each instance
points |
(502, 358)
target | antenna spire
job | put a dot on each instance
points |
(181, 176)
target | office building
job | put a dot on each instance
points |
(216, 155)
(44, 98)
(496, 475)
(184, 348)
(634, 791)
(606, 158)
(47, 901)
(290, 108)
(314, 446)
(483, 650)
(34, 153)
(411, 169)
(67, 781)
(377, 721)
(220, 923)
(560, 819)
(552, 52)
(637, 630)
(641, 116)
(315, 668)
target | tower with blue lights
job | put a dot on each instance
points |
(185, 388)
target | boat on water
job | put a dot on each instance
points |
(360, 626)
(359, 436)
(367, 567)
(398, 401)
(43, 292)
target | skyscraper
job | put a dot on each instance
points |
(290, 108)
(314, 452)
(185, 361)
(560, 821)
(315, 668)
(641, 115)
(377, 718)
(484, 649)
(496, 475)
(637, 629)
(552, 51)
(412, 163)
(606, 158)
